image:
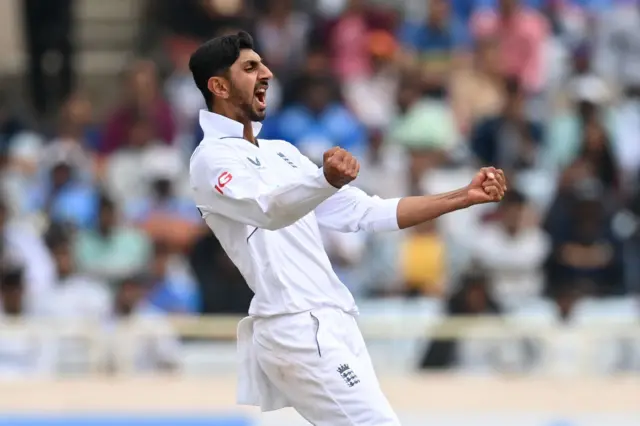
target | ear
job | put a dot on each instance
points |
(219, 86)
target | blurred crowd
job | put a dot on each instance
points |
(96, 219)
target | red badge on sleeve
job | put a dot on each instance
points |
(223, 180)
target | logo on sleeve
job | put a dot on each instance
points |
(285, 158)
(223, 180)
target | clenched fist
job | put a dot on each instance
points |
(340, 167)
(489, 185)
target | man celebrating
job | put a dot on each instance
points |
(265, 202)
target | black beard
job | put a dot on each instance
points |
(251, 114)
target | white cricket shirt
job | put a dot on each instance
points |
(265, 204)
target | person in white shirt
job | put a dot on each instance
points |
(266, 202)
(27, 350)
(519, 248)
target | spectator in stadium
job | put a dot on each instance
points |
(472, 298)
(110, 251)
(584, 98)
(522, 33)
(165, 214)
(172, 289)
(19, 171)
(23, 354)
(62, 194)
(584, 245)
(142, 96)
(148, 344)
(383, 159)
(617, 44)
(423, 262)
(318, 122)
(594, 160)
(77, 137)
(77, 123)
(510, 140)
(124, 166)
(347, 41)
(368, 95)
(283, 35)
(513, 250)
(425, 127)
(76, 295)
(477, 91)
(22, 243)
(436, 45)
(316, 64)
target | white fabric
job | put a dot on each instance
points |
(267, 211)
(79, 296)
(296, 360)
(514, 262)
(266, 204)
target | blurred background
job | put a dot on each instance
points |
(116, 298)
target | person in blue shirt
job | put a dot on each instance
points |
(434, 42)
(171, 287)
(317, 121)
(64, 197)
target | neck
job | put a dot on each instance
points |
(233, 114)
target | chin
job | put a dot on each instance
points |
(258, 115)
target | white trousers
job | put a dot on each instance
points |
(315, 362)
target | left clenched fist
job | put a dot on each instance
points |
(488, 186)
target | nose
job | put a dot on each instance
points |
(265, 73)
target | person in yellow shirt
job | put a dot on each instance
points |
(423, 261)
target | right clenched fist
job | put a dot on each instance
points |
(340, 167)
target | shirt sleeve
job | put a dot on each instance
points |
(224, 185)
(352, 210)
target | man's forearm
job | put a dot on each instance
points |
(413, 211)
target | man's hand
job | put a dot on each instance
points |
(340, 167)
(488, 186)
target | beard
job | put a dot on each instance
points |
(245, 107)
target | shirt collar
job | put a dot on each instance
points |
(218, 126)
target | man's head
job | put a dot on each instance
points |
(318, 93)
(512, 209)
(232, 77)
(131, 291)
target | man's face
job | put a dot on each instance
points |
(249, 81)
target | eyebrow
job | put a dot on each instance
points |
(253, 61)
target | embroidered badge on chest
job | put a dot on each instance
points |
(256, 162)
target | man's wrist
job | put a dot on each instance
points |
(462, 199)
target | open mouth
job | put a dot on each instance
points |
(261, 97)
